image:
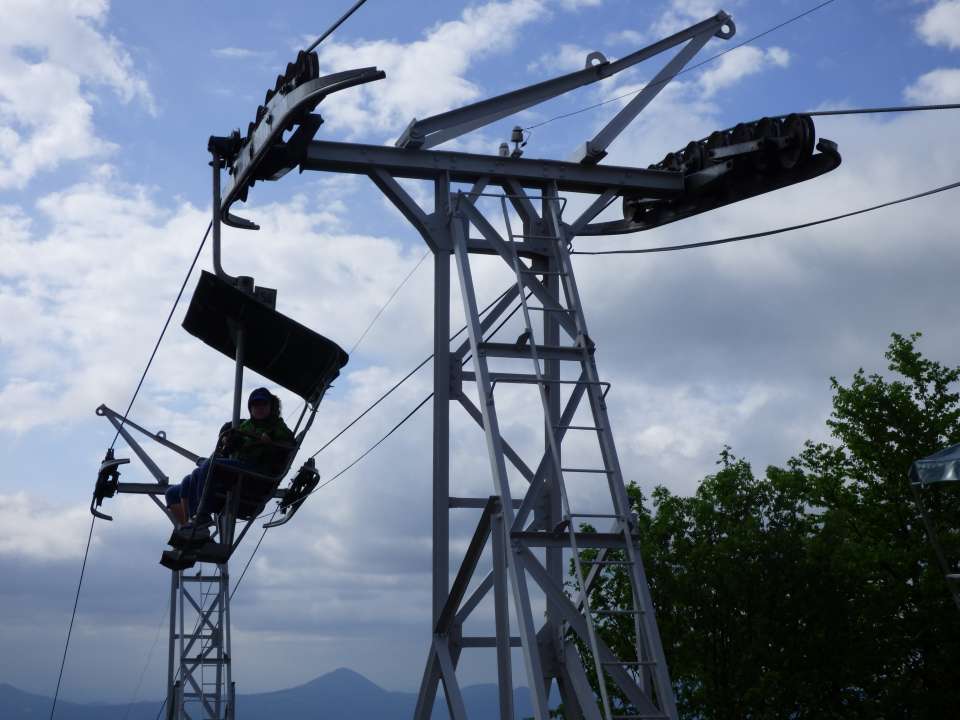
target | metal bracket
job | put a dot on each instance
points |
(281, 113)
(432, 131)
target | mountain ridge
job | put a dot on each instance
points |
(337, 695)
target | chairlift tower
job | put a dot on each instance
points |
(513, 208)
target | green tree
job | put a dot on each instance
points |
(811, 592)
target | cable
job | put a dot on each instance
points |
(400, 382)
(379, 400)
(163, 332)
(412, 412)
(375, 445)
(382, 439)
(766, 233)
(337, 24)
(143, 672)
(73, 616)
(250, 559)
(893, 109)
(387, 303)
(687, 69)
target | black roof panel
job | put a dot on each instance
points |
(277, 347)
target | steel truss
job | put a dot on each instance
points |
(199, 669)
(200, 683)
(531, 537)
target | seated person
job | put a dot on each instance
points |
(260, 444)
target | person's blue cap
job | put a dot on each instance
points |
(259, 395)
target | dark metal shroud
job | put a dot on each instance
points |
(275, 346)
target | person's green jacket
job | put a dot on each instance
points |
(264, 457)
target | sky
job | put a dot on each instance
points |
(105, 111)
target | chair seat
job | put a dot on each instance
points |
(254, 489)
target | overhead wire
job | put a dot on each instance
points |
(392, 430)
(766, 233)
(146, 665)
(376, 317)
(166, 324)
(691, 68)
(73, 615)
(387, 303)
(330, 30)
(415, 409)
(891, 109)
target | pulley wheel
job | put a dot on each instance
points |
(765, 129)
(693, 157)
(741, 133)
(671, 162)
(798, 129)
(716, 140)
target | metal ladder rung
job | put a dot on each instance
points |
(556, 310)
(536, 237)
(587, 470)
(612, 516)
(544, 272)
(577, 427)
(631, 663)
(523, 352)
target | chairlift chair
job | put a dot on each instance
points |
(231, 316)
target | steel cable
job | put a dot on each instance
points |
(163, 332)
(384, 438)
(387, 303)
(766, 233)
(73, 616)
(700, 64)
(156, 639)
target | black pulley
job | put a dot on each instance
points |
(765, 130)
(693, 157)
(799, 131)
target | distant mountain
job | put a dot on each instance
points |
(338, 695)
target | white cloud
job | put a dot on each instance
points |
(937, 86)
(741, 63)
(627, 37)
(236, 53)
(33, 531)
(567, 58)
(683, 13)
(74, 353)
(425, 76)
(577, 4)
(52, 54)
(940, 25)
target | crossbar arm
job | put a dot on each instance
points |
(437, 129)
(595, 150)
(158, 437)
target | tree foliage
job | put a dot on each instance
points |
(812, 592)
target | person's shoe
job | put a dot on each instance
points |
(189, 535)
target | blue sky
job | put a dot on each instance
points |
(105, 110)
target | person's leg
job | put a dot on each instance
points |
(188, 496)
(175, 504)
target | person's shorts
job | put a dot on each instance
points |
(191, 487)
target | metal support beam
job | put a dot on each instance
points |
(595, 150)
(468, 168)
(437, 129)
